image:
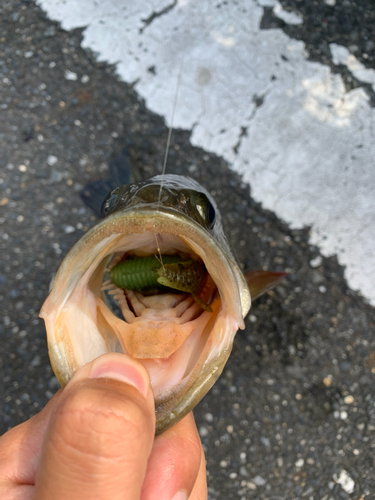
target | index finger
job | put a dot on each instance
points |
(176, 465)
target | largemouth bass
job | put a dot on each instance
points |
(183, 336)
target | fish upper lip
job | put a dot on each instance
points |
(155, 209)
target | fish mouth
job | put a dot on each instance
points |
(183, 347)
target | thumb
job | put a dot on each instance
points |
(100, 435)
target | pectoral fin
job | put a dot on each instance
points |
(260, 282)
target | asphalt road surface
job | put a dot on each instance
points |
(293, 415)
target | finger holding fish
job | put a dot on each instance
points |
(97, 435)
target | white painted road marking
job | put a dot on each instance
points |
(286, 124)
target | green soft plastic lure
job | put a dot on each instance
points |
(154, 275)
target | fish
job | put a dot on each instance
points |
(182, 337)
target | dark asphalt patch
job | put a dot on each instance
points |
(348, 23)
(296, 403)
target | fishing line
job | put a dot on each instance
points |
(169, 136)
(165, 160)
(159, 252)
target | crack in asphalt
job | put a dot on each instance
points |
(258, 100)
(155, 15)
(243, 133)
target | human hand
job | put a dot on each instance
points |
(95, 440)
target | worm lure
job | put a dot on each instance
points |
(151, 275)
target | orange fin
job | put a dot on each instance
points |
(260, 282)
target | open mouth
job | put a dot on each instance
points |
(165, 328)
(183, 336)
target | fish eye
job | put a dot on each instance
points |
(199, 203)
(210, 215)
(110, 202)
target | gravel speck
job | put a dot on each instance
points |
(69, 229)
(316, 262)
(70, 75)
(327, 381)
(265, 441)
(52, 160)
(345, 481)
(259, 481)
(50, 31)
(35, 361)
(348, 400)
(243, 471)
